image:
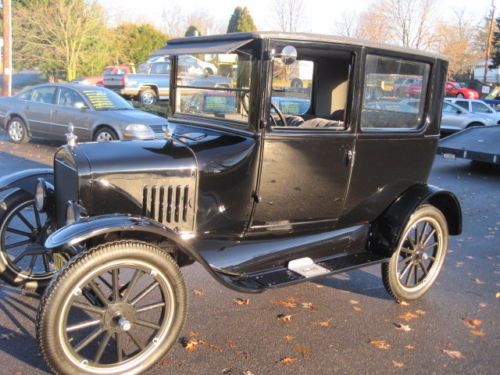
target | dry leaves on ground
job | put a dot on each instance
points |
(289, 303)
(288, 361)
(472, 323)
(420, 312)
(403, 327)
(408, 316)
(285, 317)
(324, 323)
(477, 332)
(404, 303)
(356, 308)
(354, 302)
(308, 305)
(198, 292)
(409, 347)
(288, 338)
(302, 350)
(398, 364)
(241, 301)
(455, 354)
(381, 344)
(247, 372)
(478, 281)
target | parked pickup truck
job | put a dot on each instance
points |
(98, 79)
(150, 87)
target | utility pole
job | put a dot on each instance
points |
(488, 40)
(7, 48)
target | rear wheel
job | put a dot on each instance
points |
(115, 309)
(24, 262)
(17, 130)
(148, 97)
(419, 257)
(474, 125)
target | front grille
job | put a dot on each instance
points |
(169, 204)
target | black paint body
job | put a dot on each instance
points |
(253, 199)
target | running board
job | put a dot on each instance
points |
(303, 269)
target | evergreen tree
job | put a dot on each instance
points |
(495, 48)
(241, 20)
(192, 31)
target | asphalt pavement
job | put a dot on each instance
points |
(345, 324)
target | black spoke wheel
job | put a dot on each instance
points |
(24, 262)
(419, 257)
(114, 309)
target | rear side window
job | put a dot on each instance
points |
(394, 94)
(462, 103)
(480, 108)
(43, 94)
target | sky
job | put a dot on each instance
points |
(321, 16)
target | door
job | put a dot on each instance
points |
(452, 117)
(308, 144)
(39, 109)
(68, 111)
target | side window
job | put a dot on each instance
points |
(388, 102)
(25, 95)
(448, 108)
(462, 103)
(43, 94)
(68, 97)
(480, 107)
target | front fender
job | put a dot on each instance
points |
(387, 229)
(26, 180)
(88, 228)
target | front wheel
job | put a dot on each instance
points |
(419, 257)
(17, 130)
(148, 97)
(115, 309)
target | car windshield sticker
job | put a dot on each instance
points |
(99, 99)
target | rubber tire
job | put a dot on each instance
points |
(148, 91)
(26, 137)
(474, 125)
(389, 277)
(107, 129)
(7, 274)
(78, 267)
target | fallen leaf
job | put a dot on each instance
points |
(409, 347)
(325, 323)
(477, 332)
(356, 308)
(285, 318)
(193, 333)
(198, 292)
(354, 302)
(211, 346)
(191, 345)
(319, 286)
(455, 354)
(483, 305)
(165, 362)
(290, 303)
(288, 361)
(241, 301)
(403, 327)
(381, 344)
(398, 364)
(408, 316)
(288, 338)
(479, 282)
(302, 350)
(404, 303)
(472, 323)
(308, 305)
(420, 312)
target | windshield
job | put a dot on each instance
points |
(105, 100)
(214, 85)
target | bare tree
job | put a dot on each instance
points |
(372, 26)
(347, 24)
(408, 22)
(289, 14)
(173, 21)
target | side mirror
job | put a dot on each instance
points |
(459, 112)
(80, 105)
(288, 55)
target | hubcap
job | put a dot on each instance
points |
(420, 254)
(116, 316)
(104, 136)
(16, 131)
(22, 234)
(148, 98)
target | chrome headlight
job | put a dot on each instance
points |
(139, 131)
(43, 193)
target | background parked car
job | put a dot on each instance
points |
(96, 113)
(98, 80)
(476, 106)
(454, 89)
(455, 118)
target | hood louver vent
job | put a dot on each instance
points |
(170, 205)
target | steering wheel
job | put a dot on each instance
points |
(279, 113)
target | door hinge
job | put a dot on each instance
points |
(257, 198)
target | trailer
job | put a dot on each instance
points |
(479, 144)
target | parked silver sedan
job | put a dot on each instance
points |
(96, 113)
(455, 118)
(476, 106)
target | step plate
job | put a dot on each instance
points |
(307, 268)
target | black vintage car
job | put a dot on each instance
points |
(261, 197)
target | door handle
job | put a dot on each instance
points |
(349, 155)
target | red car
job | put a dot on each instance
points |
(98, 80)
(454, 89)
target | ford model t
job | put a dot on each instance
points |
(311, 161)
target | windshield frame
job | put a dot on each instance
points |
(254, 50)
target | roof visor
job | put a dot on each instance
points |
(219, 46)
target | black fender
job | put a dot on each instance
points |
(388, 228)
(26, 180)
(88, 228)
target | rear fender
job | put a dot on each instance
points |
(26, 180)
(88, 228)
(388, 228)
